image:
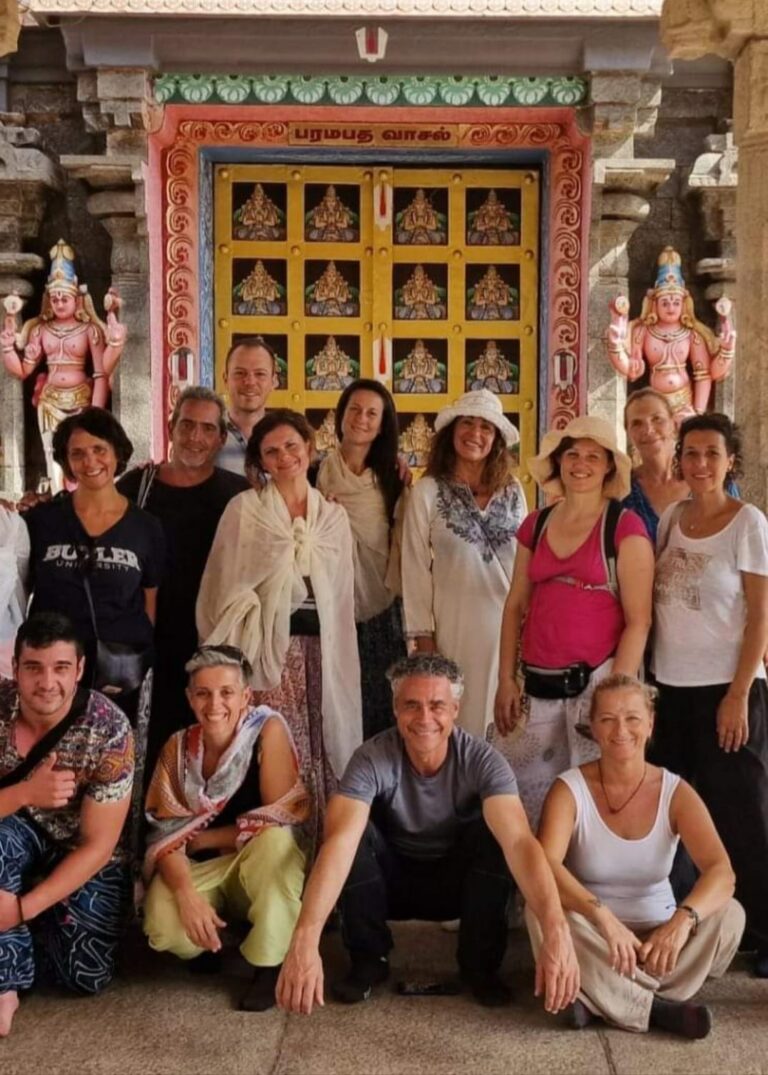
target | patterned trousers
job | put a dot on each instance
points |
(74, 942)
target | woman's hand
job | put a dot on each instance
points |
(733, 722)
(200, 921)
(659, 952)
(621, 941)
(507, 708)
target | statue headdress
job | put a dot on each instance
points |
(62, 276)
(669, 274)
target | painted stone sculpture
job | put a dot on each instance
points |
(77, 350)
(670, 342)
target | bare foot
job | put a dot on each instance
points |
(9, 1002)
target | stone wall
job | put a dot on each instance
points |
(41, 90)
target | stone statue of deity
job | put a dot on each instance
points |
(78, 350)
(670, 342)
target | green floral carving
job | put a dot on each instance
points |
(568, 91)
(270, 89)
(345, 90)
(196, 88)
(420, 90)
(166, 88)
(457, 90)
(493, 91)
(233, 89)
(530, 91)
(382, 90)
(308, 91)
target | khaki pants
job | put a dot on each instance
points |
(625, 1002)
(261, 884)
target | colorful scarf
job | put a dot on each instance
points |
(181, 802)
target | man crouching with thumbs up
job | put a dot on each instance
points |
(66, 772)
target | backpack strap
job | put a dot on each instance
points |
(145, 487)
(611, 516)
(539, 526)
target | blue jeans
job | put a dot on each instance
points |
(74, 942)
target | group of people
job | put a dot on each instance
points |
(242, 616)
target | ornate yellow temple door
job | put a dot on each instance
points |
(424, 278)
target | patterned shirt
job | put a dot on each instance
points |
(98, 748)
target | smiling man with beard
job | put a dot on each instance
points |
(66, 773)
(188, 495)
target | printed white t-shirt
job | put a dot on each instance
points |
(698, 598)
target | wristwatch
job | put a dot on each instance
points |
(693, 914)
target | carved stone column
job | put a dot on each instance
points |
(623, 108)
(712, 183)
(738, 30)
(27, 176)
(117, 103)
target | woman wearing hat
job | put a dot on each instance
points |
(580, 598)
(459, 546)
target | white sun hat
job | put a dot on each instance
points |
(479, 404)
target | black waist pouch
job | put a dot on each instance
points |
(553, 683)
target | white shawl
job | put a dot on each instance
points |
(254, 579)
(364, 503)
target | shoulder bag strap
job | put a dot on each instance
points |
(48, 742)
(147, 480)
(539, 526)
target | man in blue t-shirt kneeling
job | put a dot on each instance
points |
(427, 824)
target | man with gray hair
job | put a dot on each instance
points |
(188, 494)
(427, 824)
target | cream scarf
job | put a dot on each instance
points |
(364, 503)
(254, 579)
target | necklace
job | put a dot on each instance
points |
(618, 809)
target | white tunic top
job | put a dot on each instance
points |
(457, 564)
(698, 597)
(14, 564)
(631, 877)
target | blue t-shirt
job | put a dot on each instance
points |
(421, 815)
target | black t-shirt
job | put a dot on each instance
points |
(189, 516)
(121, 563)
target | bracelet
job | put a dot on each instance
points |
(114, 343)
(694, 916)
(97, 375)
(20, 909)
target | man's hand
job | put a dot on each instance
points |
(732, 722)
(623, 943)
(557, 970)
(659, 952)
(507, 708)
(49, 788)
(404, 472)
(200, 921)
(300, 985)
(9, 911)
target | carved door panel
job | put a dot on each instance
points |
(424, 278)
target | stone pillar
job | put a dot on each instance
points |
(116, 102)
(712, 183)
(738, 30)
(623, 109)
(27, 176)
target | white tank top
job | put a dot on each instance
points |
(631, 877)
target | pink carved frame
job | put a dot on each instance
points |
(173, 212)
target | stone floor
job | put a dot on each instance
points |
(158, 1019)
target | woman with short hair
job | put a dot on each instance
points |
(223, 809)
(610, 830)
(95, 556)
(279, 583)
(710, 635)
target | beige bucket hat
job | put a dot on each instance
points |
(586, 426)
(479, 404)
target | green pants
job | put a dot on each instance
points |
(261, 884)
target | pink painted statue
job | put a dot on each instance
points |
(66, 334)
(668, 339)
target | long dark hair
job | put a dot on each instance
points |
(382, 454)
(497, 469)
